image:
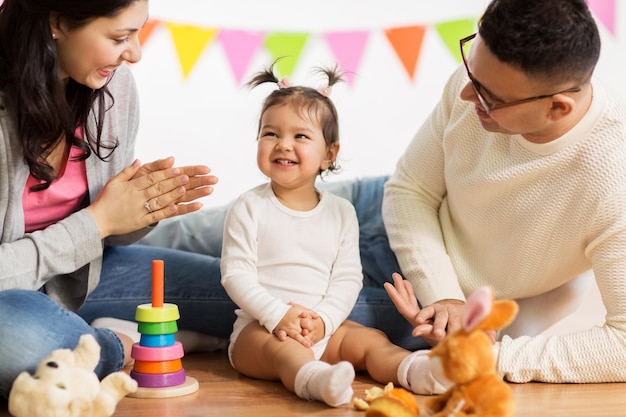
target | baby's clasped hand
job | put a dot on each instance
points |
(289, 326)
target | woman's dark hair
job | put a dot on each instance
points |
(45, 107)
(553, 40)
(314, 103)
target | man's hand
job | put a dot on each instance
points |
(431, 322)
(436, 320)
(403, 297)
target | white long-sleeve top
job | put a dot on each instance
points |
(273, 255)
(466, 208)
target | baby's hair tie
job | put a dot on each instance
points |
(284, 83)
(325, 91)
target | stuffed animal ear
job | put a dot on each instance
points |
(485, 313)
(477, 308)
(502, 314)
(87, 352)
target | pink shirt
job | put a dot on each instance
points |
(62, 198)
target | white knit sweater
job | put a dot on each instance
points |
(467, 208)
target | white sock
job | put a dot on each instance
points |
(194, 341)
(414, 373)
(128, 328)
(332, 384)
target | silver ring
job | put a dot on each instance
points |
(147, 206)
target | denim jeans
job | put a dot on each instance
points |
(201, 232)
(32, 325)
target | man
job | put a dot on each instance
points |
(518, 180)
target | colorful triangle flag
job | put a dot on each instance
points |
(147, 29)
(604, 10)
(240, 47)
(347, 47)
(407, 42)
(286, 48)
(190, 41)
(453, 31)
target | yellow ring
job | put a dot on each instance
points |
(149, 314)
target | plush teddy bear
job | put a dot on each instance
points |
(465, 357)
(64, 385)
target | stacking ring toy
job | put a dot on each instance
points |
(158, 368)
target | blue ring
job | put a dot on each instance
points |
(157, 340)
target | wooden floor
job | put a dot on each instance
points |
(224, 393)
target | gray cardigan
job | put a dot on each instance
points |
(66, 257)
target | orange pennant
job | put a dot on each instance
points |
(407, 42)
(147, 29)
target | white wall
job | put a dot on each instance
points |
(208, 118)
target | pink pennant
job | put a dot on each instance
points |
(605, 12)
(348, 49)
(240, 47)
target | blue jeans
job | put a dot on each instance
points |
(32, 325)
(201, 232)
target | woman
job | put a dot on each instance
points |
(70, 188)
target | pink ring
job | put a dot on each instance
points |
(163, 353)
(159, 380)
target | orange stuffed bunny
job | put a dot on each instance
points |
(466, 359)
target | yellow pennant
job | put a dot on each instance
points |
(190, 42)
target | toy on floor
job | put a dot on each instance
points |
(466, 359)
(64, 385)
(387, 402)
(158, 368)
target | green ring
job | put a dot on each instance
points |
(165, 327)
(147, 313)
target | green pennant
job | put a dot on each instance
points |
(452, 31)
(287, 47)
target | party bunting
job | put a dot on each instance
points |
(604, 10)
(190, 41)
(286, 47)
(240, 47)
(347, 48)
(407, 42)
(450, 32)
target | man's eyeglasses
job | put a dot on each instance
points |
(487, 106)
